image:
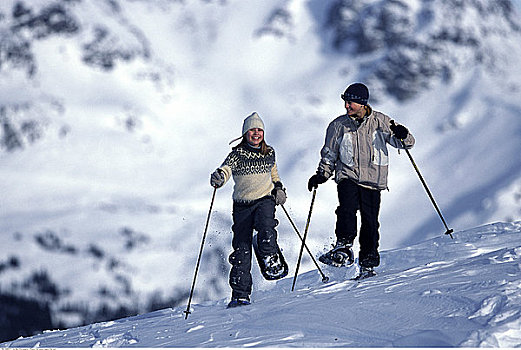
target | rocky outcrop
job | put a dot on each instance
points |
(404, 46)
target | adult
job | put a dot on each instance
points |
(355, 151)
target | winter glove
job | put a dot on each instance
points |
(217, 178)
(399, 131)
(279, 193)
(316, 180)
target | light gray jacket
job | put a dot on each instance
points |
(360, 152)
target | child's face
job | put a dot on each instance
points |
(255, 136)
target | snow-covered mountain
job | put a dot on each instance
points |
(114, 113)
(438, 293)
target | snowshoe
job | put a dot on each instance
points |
(340, 255)
(236, 302)
(273, 267)
(365, 272)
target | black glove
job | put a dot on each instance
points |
(316, 180)
(279, 193)
(217, 178)
(399, 131)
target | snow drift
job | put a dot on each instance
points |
(439, 293)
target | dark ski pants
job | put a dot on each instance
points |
(351, 198)
(260, 216)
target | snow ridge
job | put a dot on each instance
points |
(441, 292)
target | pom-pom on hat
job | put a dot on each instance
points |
(357, 92)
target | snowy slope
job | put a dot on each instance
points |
(114, 113)
(441, 292)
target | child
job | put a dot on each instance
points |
(256, 192)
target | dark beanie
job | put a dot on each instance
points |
(357, 93)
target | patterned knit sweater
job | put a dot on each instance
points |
(254, 174)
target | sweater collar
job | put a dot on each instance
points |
(251, 148)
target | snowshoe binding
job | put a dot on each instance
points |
(341, 255)
(236, 302)
(274, 266)
(365, 272)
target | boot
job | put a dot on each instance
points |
(365, 272)
(340, 255)
(239, 301)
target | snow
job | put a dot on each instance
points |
(133, 148)
(442, 292)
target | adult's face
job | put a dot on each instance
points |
(353, 108)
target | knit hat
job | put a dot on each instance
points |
(357, 92)
(251, 122)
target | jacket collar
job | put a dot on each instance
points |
(359, 121)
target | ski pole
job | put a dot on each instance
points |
(304, 238)
(187, 312)
(325, 279)
(449, 231)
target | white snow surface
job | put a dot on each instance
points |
(442, 292)
(130, 151)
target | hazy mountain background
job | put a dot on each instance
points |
(114, 113)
